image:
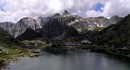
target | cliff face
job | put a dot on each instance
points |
(24, 23)
(57, 28)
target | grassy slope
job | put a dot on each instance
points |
(10, 45)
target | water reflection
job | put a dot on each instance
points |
(78, 61)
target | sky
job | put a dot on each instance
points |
(13, 10)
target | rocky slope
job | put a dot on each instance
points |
(7, 26)
(6, 40)
(56, 28)
(24, 23)
(117, 35)
(83, 24)
(77, 22)
(29, 34)
(115, 19)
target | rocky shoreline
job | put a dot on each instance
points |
(110, 51)
(91, 48)
(18, 57)
(69, 49)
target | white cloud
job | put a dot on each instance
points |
(16, 9)
(93, 13)
(117, 7)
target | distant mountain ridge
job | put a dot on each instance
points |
(24, 23)
(77, 22)
(115, 35)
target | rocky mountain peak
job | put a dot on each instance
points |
(115, 16)
(56, 28)
(101, 17)
(27, 20)
(117, 34)
(57, 14)
(115, 19)
(66, 13)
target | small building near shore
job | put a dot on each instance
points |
(85, 41)
(57, 42)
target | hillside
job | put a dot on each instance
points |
(6, 40)
(118, 34)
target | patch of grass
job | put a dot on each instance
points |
(98, 28)
(12, 53)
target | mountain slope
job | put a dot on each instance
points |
(6, 40)
(58, 28)
(23, 24)
(77, 22)
(115, 19)
(118, 34)
(29, 34)
(7, 26)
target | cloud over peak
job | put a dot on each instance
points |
(13, 10)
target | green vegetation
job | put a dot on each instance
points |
(7, 54)
(98, 28)
(33, 42)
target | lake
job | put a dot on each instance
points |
(76, 61)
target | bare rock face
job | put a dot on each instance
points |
(115, 19)
(90, 23)
(23, 24)
(7, 26)
(66, 13)
(56, 28)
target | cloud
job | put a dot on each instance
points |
(98, 7)
(13, 10)
(111, 8)
(116, 7)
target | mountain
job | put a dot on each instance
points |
(56, 28)
(117, 35)
(41, 21)
(83, 24)
(90, 23)
(7, 26)
(75, 21)
(115, 19)
(66, 13)
(24, 23)
(6, 40)
(29, 34)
